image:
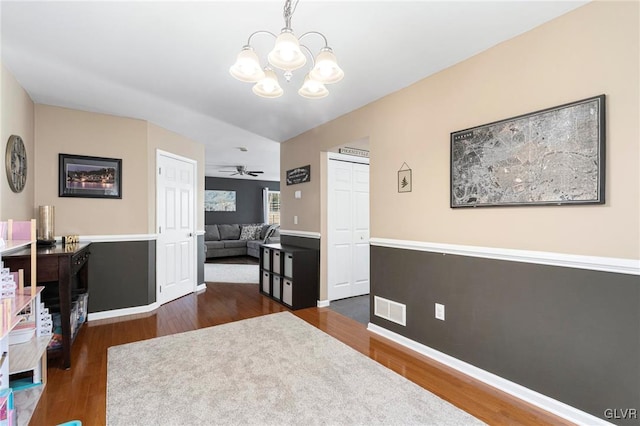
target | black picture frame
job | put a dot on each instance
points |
(554, 156)
(89, 177)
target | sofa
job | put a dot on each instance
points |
(238, 239)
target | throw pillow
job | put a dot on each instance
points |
(258, 231)
(211, 233)
(270, 232)
(229, 232)
(249, 232)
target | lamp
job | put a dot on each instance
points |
(288, 54)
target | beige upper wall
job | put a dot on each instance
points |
(591, 51)
(165, 140)
(62, 130)
(17, 118)
(68, 131)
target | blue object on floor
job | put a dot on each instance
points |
(71, 423)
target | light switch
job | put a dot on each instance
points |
(295, 220)
(440, 311)
(298, 194)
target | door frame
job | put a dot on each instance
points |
(194, 219)
(334, 156)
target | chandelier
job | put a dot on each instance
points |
(287, 55)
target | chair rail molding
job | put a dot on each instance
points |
(595, 263)
(304, 234)
(116, 238)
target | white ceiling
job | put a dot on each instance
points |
(167, 62)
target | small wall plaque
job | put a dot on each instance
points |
(354, 151)
(299, 175)
(404, 178)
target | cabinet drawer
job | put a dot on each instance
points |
(287, 292)
(265, 281)
(265, 258)
(276, 287)
(78, 261)
(288, 265)
(276, 262)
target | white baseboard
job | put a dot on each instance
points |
(323, 303)
(201, 287)
(539, 400)
(122, 312)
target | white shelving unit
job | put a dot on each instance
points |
(30, 356)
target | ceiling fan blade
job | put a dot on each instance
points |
(252, 174)
(255, 171)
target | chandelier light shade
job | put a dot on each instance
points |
(312, 89)
(288, 54)
(247, 67)
(268, 86)
(326, 69)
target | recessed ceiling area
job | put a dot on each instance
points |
(168, 62)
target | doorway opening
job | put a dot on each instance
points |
(348, 235)
(176, 259)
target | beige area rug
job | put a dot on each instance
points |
(228, 273)
(274, 369)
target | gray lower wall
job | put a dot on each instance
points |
(201, 259)
(305, 242)
(570, 334)
(122, 275)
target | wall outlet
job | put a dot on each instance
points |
(439, 311)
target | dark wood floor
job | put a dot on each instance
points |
(236, 260)
(80, 393)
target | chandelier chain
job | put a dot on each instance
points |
(289, 10)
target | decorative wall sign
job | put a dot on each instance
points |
(299, 175)
(551, 157)
(219, 201)
(404, 178)
(89, 177)
(354, 151)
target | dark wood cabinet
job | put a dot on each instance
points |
(290, 275)
(63, 269)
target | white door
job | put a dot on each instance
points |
(348, 224)
(175, 249)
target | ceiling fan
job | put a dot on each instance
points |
(242, 170)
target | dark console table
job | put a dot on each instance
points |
(62, 266)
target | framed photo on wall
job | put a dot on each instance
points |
(89, 177)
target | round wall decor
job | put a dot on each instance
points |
(16, 163)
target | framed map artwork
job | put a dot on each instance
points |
(551, 157)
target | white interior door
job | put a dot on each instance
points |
(176, 260)
(348, 224)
